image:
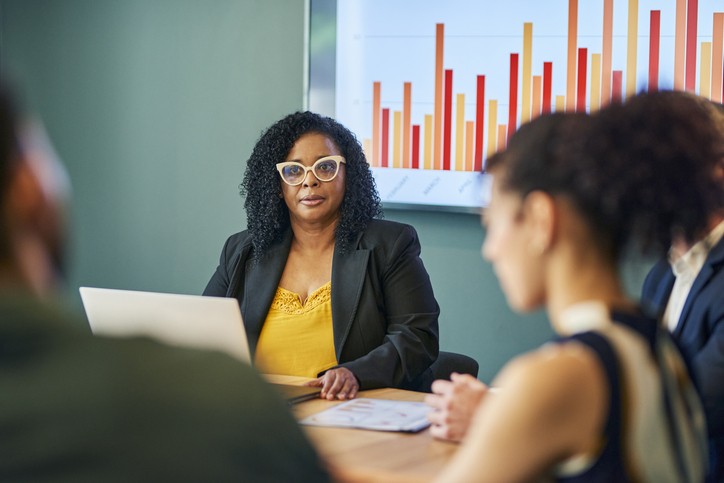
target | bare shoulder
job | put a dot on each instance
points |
(555, 376)
(549, 407)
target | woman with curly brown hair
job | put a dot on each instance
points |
(327, 290)
(610, 398)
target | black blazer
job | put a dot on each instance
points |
(700, 334)
(384, 313)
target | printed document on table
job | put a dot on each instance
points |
(374, 414)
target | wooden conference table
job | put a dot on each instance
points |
(374, 455)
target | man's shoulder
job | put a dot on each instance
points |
(656, 275)
(174, 368)
(175, 412)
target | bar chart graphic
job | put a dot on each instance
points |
(434, 88)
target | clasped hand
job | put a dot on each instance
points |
(454, 402)
(338, 383)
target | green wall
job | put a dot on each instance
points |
(155, 104)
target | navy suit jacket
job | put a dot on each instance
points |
(384, 313)
(700, 334)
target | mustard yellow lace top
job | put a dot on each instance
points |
(296, 338)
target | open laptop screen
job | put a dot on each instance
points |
(212, 323)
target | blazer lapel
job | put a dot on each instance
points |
(348, 275)
(712, 264)
(663, 291)
(261, 282)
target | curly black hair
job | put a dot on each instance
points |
(641, 172)
(267, 213)
(663, 154)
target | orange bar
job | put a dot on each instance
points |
(717, 50)
(537, 92)
(632, 43)
(366, 147)
(459, 133)
(572, 53)
(680, 45)
(396, 141)
(437, 114)
(376, 115)
(595, 82)
(606, 52)
(469, 138)
(492, 123)
(527, 63)
(502, 136)
(560, 103)
(705, 71)
(427, 156)
(406, 125)
(692, 25)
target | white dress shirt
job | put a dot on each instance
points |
(686, 268)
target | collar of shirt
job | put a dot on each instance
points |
(689, 264)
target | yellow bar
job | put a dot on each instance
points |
(527, 62)
(632, 43)
(705, 76)
(560, 103)
(406, 124)
(427, 160)
(502, 135)
(396, 141)
(537, 93)
(595, 82)
(367, 148)
(459, 133)
(469, 138)
(492, 123)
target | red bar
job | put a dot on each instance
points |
(415, 146)
(513, 102)
(691, 24)
(581, 98)
(447, 121)
(617, 83)
(547, 83)
(654, 42)
(385, 137)
(479, 123)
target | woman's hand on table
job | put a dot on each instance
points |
(454, 403)
(338, 383)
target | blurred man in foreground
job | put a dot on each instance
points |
(78, 408)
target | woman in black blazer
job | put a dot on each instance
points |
(311, 205)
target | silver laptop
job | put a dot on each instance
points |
(212, 323)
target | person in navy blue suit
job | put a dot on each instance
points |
(688, 289)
